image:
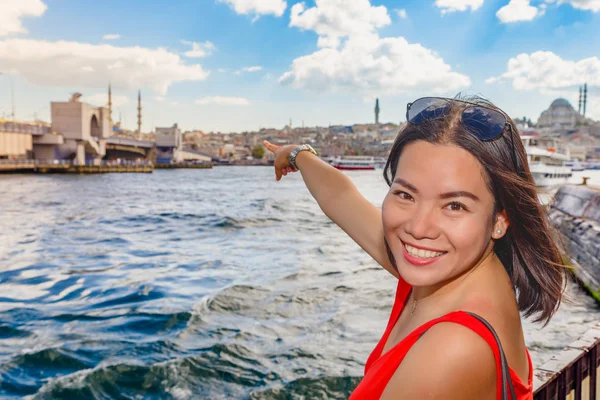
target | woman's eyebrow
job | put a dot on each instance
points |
(448, 195)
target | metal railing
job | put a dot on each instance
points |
(19, 127)
(35, 162)
(70, 162)
(577, 380)
(123, 162)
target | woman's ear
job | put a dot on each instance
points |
(500, 225)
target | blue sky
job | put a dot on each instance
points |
(234, 65)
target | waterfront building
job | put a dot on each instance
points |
(337, 129)
(170, 147)
(18, 140)
(169, 141)
(578, 152)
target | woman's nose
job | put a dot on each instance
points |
(423, 224)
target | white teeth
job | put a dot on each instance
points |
(422, 253)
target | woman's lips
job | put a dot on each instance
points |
(419, 261)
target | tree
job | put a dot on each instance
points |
(258, 152)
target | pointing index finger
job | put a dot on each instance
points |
(270, 146)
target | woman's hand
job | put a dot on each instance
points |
(281, 163)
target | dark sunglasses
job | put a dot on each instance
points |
(483, 122)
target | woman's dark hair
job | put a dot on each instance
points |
(531, 250)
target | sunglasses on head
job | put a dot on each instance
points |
(483, 122)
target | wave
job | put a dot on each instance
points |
(329, 387)
(225, 371)
(8, 332)
(21, 375)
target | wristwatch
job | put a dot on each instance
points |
(298, 149)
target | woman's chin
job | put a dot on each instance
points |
(420, 276)
(417, 278)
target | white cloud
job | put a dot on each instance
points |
(333, 20)
(353, 58)
(401, 12)
(370, 65)
(547, 72)
(159, 99)
(518, 10)
(593, 108)
(221, 100)
(11, 12)
(101, 100)
(111, 36)
(591, 5)
(255, 68)
(68, 64)
(458, 5)
(199, 50)
(257, 7)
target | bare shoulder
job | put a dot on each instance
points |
(449, 361)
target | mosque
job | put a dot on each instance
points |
(561, 113)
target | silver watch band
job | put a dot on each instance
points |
(298, 149)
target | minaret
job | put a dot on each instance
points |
(584, 97)
(139, 126)
(377, 111)
(580, 97)
(110, 121)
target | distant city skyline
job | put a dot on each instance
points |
(242, 65)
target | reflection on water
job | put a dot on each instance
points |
(213, 284)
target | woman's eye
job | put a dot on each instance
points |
(456, 206)
(403, 195)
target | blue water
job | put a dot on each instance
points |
(209, 284)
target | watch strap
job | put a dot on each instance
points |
(298, 149)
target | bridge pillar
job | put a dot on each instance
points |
(80, 154)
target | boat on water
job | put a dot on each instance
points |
(354, 163)
(593, 165)
(380, 162)
(576, 165)
(547, 158)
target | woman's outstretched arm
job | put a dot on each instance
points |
(339, 199)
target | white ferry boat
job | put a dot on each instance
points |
(547, 158)
(380, 162)
(353, 163)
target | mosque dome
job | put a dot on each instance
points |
(560, 103)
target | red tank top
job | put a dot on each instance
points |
(379, 369)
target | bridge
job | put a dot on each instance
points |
(119, 147)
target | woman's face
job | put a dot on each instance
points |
(438, 201)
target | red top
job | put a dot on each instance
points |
(379, 369)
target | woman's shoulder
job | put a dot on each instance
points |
(449, 361)
(502, 313)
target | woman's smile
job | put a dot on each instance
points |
(420, 257)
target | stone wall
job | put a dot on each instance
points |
(576, 213)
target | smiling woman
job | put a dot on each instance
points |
(463, 232)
